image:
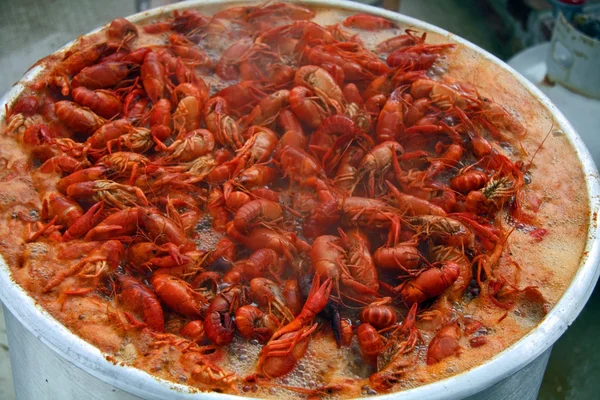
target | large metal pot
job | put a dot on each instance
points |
(50, 362)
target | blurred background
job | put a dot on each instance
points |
(516, 31)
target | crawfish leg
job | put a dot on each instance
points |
(282, 348)
(64, 274)
(279, 306)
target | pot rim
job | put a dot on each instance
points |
(530, 346)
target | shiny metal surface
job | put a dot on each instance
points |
(523, 384)
(40, 373)
(514, 373)
(573, 59)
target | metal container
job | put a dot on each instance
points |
(573, 59)
(50, 362)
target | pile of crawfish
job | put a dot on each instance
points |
(344, 185)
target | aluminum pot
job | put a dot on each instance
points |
(50, 362)
(573, 59)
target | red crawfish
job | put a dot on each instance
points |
(66, 210)
(359, 263)
(194, 331)
(379, 314)
(413, 205)
(104, 103)
(77, 118)
(76, 61)
(103, 260)
(218, 323)
(160, 228)
(113, 194)
(140, 300)
(369, 342)
(395, 255)
(119, 225)
(368, 22)
(253, 323)
(268, 295)
(316, 301)
(445, 230)
(292, 296)
(178, 295)
(379, 160)
(153, 77)
(398, 356)
(107, 133)
(120, 33)
(257, 265)
(444, 344)
(430, 283)
(255, 212)
(289, 343)
(103, 75)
